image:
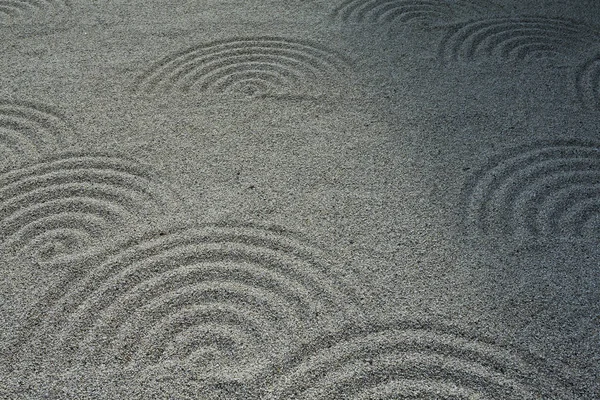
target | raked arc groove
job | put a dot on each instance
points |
(29, 130)
(408, 360)
(521, 39)
(219, 301)
(65, 203)
(31, 17)
(409, 11)
(587, 83)
(255, 66)
(24, 9)
(538, 191)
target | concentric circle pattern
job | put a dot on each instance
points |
(247, 67)
(516, 39)
(69, 202)
(407, 11)
(215, 302)
(409, 360)
(546, 190)
(29, 130)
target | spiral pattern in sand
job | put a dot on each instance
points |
(29, 130)
(248, 67)
(516, 39)
(406, 11)
(538, 191)
(71, 201)
(409, 360)
(217, 302)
